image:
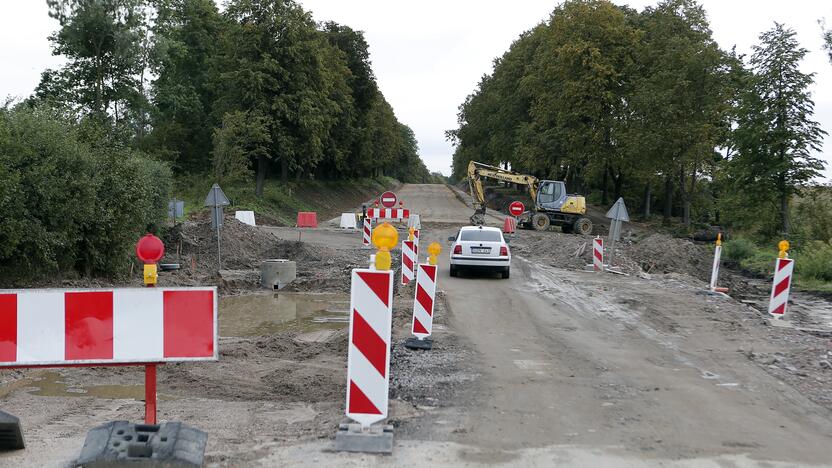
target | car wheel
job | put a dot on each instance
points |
(506, 272)
(454, 271)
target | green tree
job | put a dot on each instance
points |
(776, 136)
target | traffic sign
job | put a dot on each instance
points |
(388, 199)
(516, 208)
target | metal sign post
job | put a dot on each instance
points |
(216, 199)
(617, 213)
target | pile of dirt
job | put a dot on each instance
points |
(662, 254)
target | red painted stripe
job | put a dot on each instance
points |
(88, 318)
(782, 286)
(598, 255)
(8, 327)
(780, 310)
(369, 343)
(418, 327)
(408, 262)
(783, 263)
(188, 320)
(379, 283)
(424, 299)
(359, 403)
(430, 271)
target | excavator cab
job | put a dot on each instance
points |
(552, 196)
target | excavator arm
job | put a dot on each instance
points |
(476, 171)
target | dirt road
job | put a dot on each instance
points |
(554, 366)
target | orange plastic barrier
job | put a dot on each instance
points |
(308, 219)
(510, 225)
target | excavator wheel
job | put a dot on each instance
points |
(540, 222)
(582, 226)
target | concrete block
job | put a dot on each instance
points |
(11, 435)
(245, 217)
(121, 443)
(276, 274)
(373, 439)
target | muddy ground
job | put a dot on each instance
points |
(276, 394)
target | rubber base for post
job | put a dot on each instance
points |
(11, 435)
(373, 439)
(415, 343)
(122, 443)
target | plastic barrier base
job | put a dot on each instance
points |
(120, 443)
(415, 343)
(11, 436)
(374, 439)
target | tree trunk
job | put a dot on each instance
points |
(284, 170)
(686, 195)
(261, 175)
(668, 197)
(604, 194)
(784, 206)
(648, 193)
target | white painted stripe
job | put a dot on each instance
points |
(138, 324)
(368, 378)
(41, 326)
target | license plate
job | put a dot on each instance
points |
(480, 250)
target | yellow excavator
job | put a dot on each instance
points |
(552, 205)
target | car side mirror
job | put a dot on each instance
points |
(452, 238)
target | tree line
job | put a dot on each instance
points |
(645, 105)
(257, 90)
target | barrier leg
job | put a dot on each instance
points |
(150, 394)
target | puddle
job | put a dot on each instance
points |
(52, 384)
(265, 314)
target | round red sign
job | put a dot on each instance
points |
(150, 249)
(388, 199)
(516, 208)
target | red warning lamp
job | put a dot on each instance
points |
(150, 249)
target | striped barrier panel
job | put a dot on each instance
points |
(368, 231)
(368, 355)
(779, 300)
(408, 261)
(423, 304)
(598, 253)
(388, 213)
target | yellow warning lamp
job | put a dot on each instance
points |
(433, 250)
(783, 245)
(150, 274)
(719, 239)
(410, 234)
(385, 237)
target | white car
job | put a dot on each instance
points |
(480, 248)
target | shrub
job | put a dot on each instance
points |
(738, 250)
(815, 261)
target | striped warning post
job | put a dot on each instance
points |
(598, 253)
(416, 244)
(778, 302)
(368, 356)
(48, 327)
(424, 302)
(368, 230)
(408, 261)
(715, 267)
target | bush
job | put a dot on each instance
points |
(738, 250)
(67, 205)
(814, 262)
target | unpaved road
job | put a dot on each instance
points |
(551, 367)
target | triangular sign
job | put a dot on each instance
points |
(619, 211)
(216, 197)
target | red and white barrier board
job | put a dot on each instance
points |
(408, 261)
(368, 356)
(388, 213)
(43, 327)
(425, 298)
(368, 230)
(598, 254)
(779, 300)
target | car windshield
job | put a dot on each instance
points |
(480, 235)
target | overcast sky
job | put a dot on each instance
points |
(428, 55)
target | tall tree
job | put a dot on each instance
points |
(103, 42)
(776, 135)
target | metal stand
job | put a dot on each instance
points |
(416, 343)
(373, 439)
(150, 394)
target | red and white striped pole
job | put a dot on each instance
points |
(408, 261)
(424, 302)
(783, 270)
(598, 253)
(367, 231)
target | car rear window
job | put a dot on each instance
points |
(481, 236)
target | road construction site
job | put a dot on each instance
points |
(554, 366)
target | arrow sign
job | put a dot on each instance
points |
(216, 197)
(618, 211)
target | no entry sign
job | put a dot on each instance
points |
(516, 208)
(388, 199)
